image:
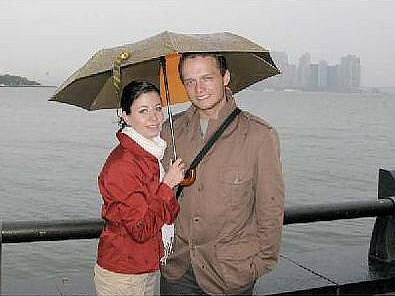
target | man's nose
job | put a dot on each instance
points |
(199, 86)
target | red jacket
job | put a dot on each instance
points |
(136, 205)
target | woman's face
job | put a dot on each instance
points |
(146, 115)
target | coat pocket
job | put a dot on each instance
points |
(235, 260)
(237, 184)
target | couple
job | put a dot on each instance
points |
(227, 224)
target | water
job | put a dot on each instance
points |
(51, 153)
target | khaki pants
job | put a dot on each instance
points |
(119, 284)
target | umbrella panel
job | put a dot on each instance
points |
(177, 91)
(85, 90)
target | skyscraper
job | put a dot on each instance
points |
(350, 72)
(322, 75)
(304, 71)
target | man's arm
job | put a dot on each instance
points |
(269, 193)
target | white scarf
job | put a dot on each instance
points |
(155, 146)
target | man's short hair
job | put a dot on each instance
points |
(219, 58)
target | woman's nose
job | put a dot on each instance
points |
(154, 116)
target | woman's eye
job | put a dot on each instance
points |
(143, 110)
(158, 108)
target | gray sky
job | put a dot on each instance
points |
(47, 40)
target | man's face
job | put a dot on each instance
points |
(204, 83)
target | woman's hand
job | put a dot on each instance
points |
(175, 174)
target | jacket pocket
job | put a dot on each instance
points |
(235, 260)
(237, 181)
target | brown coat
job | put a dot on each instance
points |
(230, 221)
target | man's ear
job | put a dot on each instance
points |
(226, 78)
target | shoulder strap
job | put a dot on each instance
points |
(198, 158)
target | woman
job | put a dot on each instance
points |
(138, 198)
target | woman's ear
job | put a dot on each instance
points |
(125, 118)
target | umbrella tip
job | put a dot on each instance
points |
(124, 55)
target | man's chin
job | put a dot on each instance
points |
(202, 105)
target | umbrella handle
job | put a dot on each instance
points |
(190, 177)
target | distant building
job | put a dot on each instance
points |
(322, 75)
(304, 71)
(350, 72)
(333, 78)
(314, 77)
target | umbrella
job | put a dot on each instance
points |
(156, 59)
(91, 88)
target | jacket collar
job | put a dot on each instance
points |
(130, 145)
(193, 118)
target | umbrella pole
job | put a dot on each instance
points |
(173, 141)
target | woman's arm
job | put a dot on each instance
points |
(140, 208)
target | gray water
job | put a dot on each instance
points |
(51, 153)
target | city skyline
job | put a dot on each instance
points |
(344, 76)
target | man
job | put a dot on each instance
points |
(228, 231)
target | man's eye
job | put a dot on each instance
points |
(188, 83)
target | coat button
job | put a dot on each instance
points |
(200, 187)
(196, 219)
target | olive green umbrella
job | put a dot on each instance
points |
(91, 87)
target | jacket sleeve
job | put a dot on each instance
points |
(129, 202)
(269, 197)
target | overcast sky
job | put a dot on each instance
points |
(47, 40)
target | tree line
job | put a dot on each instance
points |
(13, 80)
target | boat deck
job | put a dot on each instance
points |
(331, 271)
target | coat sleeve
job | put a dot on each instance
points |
(269, 197)
(139, 208)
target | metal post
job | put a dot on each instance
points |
(382, 242)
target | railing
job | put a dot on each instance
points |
(33, 231)
(380, 246)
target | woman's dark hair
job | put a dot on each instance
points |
(131, 92)
(219, 58)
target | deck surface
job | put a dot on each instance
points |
(331, 271)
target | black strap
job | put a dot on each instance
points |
(198, 158)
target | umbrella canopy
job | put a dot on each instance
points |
(91, 87)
